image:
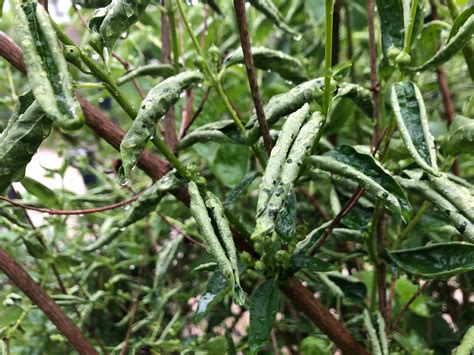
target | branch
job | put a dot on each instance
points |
(156, 168)
(71, 212)
(40, 298)
(321, 316)
(247, 51)
(407, 305)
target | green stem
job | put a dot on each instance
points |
(373, 254)
(411, 25)
(329, 14)
(114, 90)
(174, 37)
(209, 73)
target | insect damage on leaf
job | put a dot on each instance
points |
(153, 108)
(47, 69)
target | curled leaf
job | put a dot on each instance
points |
(47, 69)
(438, 261)
(460, 138)
(456, 42)
(412, 121)
(112, 21)
(361, 96)
(287, 66)
(27, 128)
(464, 226)
(154, 107)
(347, 162)
(269, 9)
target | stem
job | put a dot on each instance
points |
(411, 25)
(239, 6)
(71, 212)
(174, 38)
(329, 13)
(208, 71)
(124, 103)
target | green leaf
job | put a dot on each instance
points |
(230, 164)
(154, 70)
(146, 204)
(347, 162)
(216, 211)
(359, 95)
(44, 194)
(459, 21)
(269, 9)
(216, 288)
(351, 287)
(287, 66)
(201, 214)
(405, 289)
(285, 222)
(26, 130)
(153, 108)
(410, 114)
(9, 315)
(294, 143)
(394, 21)
(91, 4)
(299, 261)
(165, 258)
(374, 340)
(467, 343)
(456, 43)
(438, 261)
(239, 189)
(460, 138)
(458, 220)
(112, 21)
(47, 69)
(33, 245)
(263, 309)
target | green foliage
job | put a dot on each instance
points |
(193, 238)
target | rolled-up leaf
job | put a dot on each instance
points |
(154, 107)
(287, 66)
(461, 222)
(439, 261)
(214, 245)
(412, 121)
(456, 42)
(269, 9)
(460, 138)
(361, 96)
(47, 69)
(163, 70)
(112, 21)
(283, 182)
(347, 162)
(27, 128)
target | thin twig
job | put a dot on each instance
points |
(169, 121)
(407, 305)
(342, 213)
(185, 127)
(179, 230)
(391, 294)
(315, 204)
(239, 6)
(71, 212)
(374, 82)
